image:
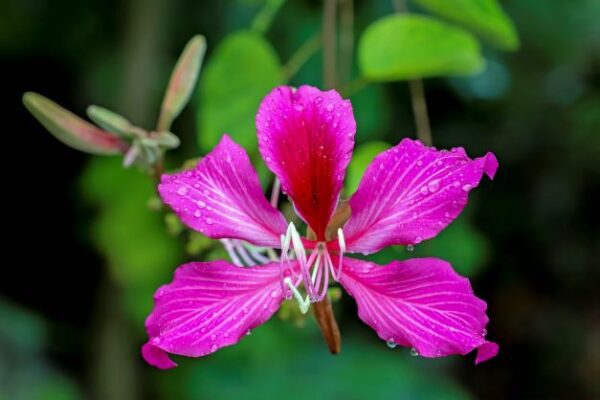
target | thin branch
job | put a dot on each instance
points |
(301, 56)
(346, 39)
(329, 44)
(417, 95)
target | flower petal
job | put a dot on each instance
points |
(420, 303)
(222, 198)
(306, 138)
(410, 193)
(209, 305)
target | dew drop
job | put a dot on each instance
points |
(438, 353)
(483, 332)
(318, 100)
(420, 162)
(434, 185)
(213, 337)
(209, 221)
(424, 190)
(298, 107)
(330, 107)
(274, 293)
(197, 214)
(182, 191)
(418, 239)
(213, 348)
(467, 187)
(414, 352)
(248, 332)
(410, 247)
(391, 343)
(200, 204)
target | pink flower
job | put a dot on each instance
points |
(408, 194)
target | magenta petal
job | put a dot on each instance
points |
(209, 305)
(486, 351)
(410, 193)
(306, 138)
(157, 357)
(420, 303)
(222, 198)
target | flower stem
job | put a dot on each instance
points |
(326, 319)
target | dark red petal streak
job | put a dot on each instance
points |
(306, 137)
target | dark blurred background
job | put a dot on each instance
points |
(82, 254)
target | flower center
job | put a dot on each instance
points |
(314, 270)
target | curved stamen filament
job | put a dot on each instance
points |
(314, 269)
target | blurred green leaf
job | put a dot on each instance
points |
(182, 82)
(109, 120)
(141, 255)
(460, 243)
(401, 47)
(485, 17)
(197, 243)
(361, 159)
(240, 73)
(70, 129)
(280, 359)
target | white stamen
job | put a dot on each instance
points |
(229, 248)
(304, 304)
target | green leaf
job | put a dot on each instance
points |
(140, 254)
(70, 129)
(361, 159)
(109, 120)
(182, 82)
(243, 69)
(485, 17)
(402, 47)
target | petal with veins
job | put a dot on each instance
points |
(306, 138)
(411, 192)
(222, 198)
(420, 303)
(209, 305)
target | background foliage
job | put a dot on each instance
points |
(85, 250)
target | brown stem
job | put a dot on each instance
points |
(326, 319)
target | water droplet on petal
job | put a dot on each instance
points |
(414, 352)
(391, 343)
(209, 221)
(467, 187)
(213, 337)
(438, 353)
(182, 191)
(200, 204)
(330, 107)
(248, 332)
(197, 214)
(483, 332)
(213, 348)
(424, 190)
(434, 185)
(274, 293)
(410, 247)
